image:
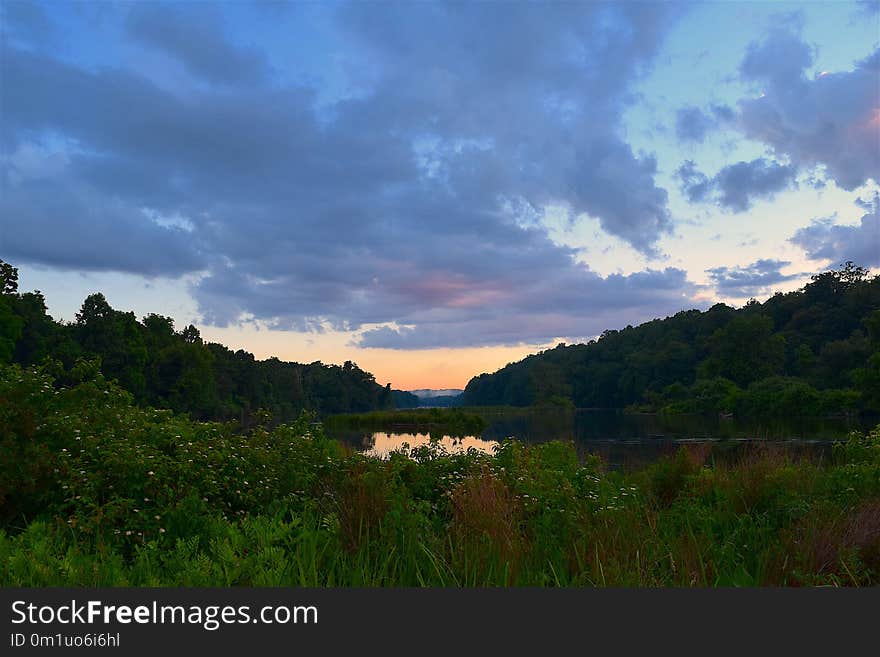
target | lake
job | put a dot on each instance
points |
(622, 440)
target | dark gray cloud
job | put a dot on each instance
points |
(390, 206)
(694, 124)
(779, 59)
(824, 239)
(51, 217)
(110, 235)
(532, 312)
(695, 184)
(612, 184)
(756, 278)
(736, 186)
(831, 120)
(544, 86)
(739, 184)
(196, 36)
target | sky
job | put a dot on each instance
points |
(433, 190)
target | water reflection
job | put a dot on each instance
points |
(627, 440)
(584, 426)
(381, 444)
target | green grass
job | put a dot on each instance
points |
(97, 491)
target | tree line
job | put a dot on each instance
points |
(176, 369)
(812, 351)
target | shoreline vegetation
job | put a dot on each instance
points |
(454, 422)
(96, 490)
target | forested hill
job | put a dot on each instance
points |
(813, 351)
(175, 369)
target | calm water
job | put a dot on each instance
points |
(623, 440)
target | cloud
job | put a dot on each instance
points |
(694, 124)
(868, 7)
(561, 304)
(535, 91)
(825, 240)
(739, 184)
(197, 39)
(392, 207)
(831, 120)
(42, 210)
(736, 186)
(618, 188)
(748, 281)
(26, 22)
(695, 185)
(780, 59)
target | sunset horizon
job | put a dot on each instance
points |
(435, 369)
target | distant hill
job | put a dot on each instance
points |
(426, 397)
(813, 351)
(428, 392)
(440, 401)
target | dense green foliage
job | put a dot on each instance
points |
(176, 369)
(404, 399)
(95, 490)
(810, 352)
(448, 421)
